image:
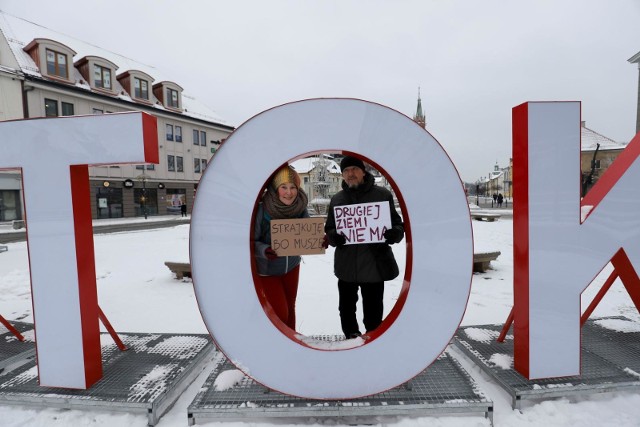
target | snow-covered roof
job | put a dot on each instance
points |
(589, 138)
(20, 32)
(635, 58)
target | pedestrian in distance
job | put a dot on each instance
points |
(366, 266)
(183, 208)
(278, 275)
(500, 199)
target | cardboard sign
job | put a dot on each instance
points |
(299, 236)
(363, 222)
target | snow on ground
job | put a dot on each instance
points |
(139, 294)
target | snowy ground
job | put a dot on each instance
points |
(138, 294)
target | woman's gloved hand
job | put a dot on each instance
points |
(270, 254)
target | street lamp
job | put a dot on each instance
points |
(143, 199)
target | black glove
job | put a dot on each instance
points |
(325, 241)
(270, 254)
(392, 235)
(340, 240)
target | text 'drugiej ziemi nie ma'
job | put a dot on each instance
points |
(363, 222)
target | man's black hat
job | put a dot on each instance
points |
(348, 161)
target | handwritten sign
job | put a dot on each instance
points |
(300, 236)
(363, 222)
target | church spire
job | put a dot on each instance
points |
(419, 118)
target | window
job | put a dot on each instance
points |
(101, 77)
(175, 198)
(145, 201)
(178, 133)
(179, 166)
(204, 165)
(67, 109)
(109, 202)
(141, 167)
(57, 64)
(97, 111)
(50, 107)
(140, 88)
(196, 165)
(171, 163)
(595, 165)
(172, 98)
(199, 137)
(169, 132)
(151, 167)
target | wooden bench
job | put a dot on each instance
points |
(181, 269)
(482, 260)
(485, 216)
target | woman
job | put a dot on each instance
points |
(284, 199)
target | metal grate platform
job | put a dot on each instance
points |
(610, 361)
(14, 352)
(148, 378)
(444, 388)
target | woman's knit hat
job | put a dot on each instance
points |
(284, 175)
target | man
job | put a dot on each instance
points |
(362, 266)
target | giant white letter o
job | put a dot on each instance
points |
(440, 239)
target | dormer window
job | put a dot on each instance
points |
(141, 88)
(57, 64)
(98, 72)
(101, 77)
(168, 94)
(53, 59)
(138, 85)
(172, 98)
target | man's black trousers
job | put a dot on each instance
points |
(372, 306)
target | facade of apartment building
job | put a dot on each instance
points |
(46, 74)
(593, 164)
(320, 178)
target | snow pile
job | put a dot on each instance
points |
(331, 345)
(484, 336)
(153, 383)
(179, 347)
(620, 325)
(228, 379)
(502, 361)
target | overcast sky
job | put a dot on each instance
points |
(473, 60)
